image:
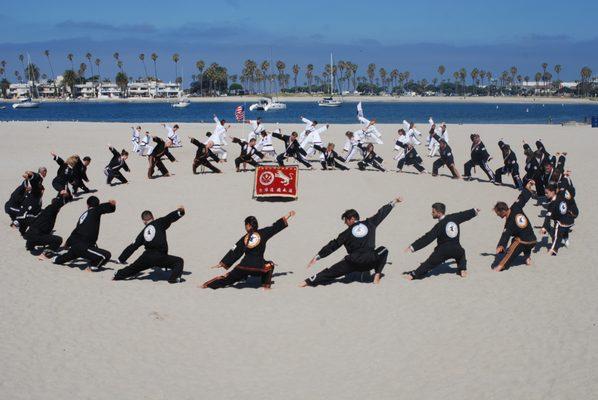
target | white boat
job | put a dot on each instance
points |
(267, 104)
(330, 101)
(25, 103)
(182, 103)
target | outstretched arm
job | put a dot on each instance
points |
(174, 216)
(463, 216)
(424, 240)
(383, 212)
(130, 249)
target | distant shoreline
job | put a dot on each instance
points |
(349, 99)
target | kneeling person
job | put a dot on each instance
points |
(153, 237)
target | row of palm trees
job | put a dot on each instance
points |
(263, 77)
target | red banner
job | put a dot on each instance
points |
(275, 181)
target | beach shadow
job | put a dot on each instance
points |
(83, 265)
(255, 282)
(408, 172)
(544, 243)
(156, 275)
(443, 269)
(275, 199)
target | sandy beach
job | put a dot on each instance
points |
(526, 333)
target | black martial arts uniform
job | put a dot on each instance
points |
(292, 149)
(446, 158)
(359, 240)
(64, 175)
(562, 211)
(252, 246)
(533, 169)
(39, 232)
(153, 237)
(409, 158)
(510, 167)
(25, 199)
(112, 170)
(248, 154)
(82, 241)
(155, 158)
(30, 209)
(518, 227)
(370, 158)
(202, 156)
(329, 159)
(80, 177)
(13, 206)
(446, 232)
(480, 158)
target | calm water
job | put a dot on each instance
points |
(384, 112)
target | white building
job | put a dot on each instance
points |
(19, 89)
(108, 90)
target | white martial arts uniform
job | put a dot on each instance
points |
(265, 145)
(256, 130)
(433, 144)
(370, 132)
(135, 140)
(173, 136)
(309, 127)
(313, 139)
(353, 146)
(145, 147)
(412, 132)
(218, 140)
(401, 151)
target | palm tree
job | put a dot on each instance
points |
(474, 75)
(82, 69)
(309, 75)
(265, 67)
(537, 78)
(586, 74)
(69, 78)
(295, 73)
(47, 54)
(280, 66)
(154, 57)
(383, 75)
(394, 74)
(122, 80)
(441, 71)
(371, 71)
(456, 77)
(142, 58)
(88, 56)
(70, 58)
(118, 62)
(354, 68)
(558, 68)
(22, 60)
(200, 65)
(97, 63)
(175, 59)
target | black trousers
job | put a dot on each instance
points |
(152, 259)
(377, 261)
(241, 160)
(53, 242)
(240, 273)
(299, 157)
(79, 184)
(169, 155)
(96, 256)
(505, 170)
(516, 248)
(440, 255)
(333, 165)
(415, 165)
(206, 163)
(440, 163)
(153, 163)
(362, 165)
(483, 165)
(12, 210)
(114, 174)
(558, 233)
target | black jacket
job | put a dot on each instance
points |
(64, 175)
(562, 210)
(329, 156)
(247, 152)
(479, 154)
(446, 231)
(201, 153)
(116, 163)
(446, 154)
(88, 226)
(153, 236)
(517, 224)
(293, 148)
(44, 223)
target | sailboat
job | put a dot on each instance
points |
(26, 102)
(330, 101)
(268, 103)
(183, 100)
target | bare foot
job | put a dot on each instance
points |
(88, 269)
(528, 261)
(43, 257)
(377, 278)
(303, 284)
(463, 274)
(408, 277)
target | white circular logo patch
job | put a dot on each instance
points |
(267, 178)
(359, 230)
(452, 230)
(521, 221)
(149, 233)
(82, 217)
(253, 240)
(563, 207)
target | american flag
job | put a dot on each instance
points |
(240, 113)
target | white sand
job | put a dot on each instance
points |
(527, 333)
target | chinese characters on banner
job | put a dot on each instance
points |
(275, 181)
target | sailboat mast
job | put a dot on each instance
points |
(331, 75)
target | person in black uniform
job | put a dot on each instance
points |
(155, 158)
(370, 158)
(479, 157)
(155, 255)
(248, 153)
(31, 205)
(329, 158)
(80, 175)
(82, 241)
(117, 162)
(40, 231)
(251, 247)
(32, 181)
(202, 156)
(446, 232)
(446, 157)
(518, 227)
(292, 149)
(533, 168)
(65, 173)
(410, 157)
(359, 240)
(510, 165)
(561, 213)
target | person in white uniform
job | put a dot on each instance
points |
(441, 131)
(265, 145)
(309, 127)
(145, 147)
(173, 136)
(136, 138)
(369, 131)
(353, 145)
(256, 129)
(217, 140)
(411, 132)
(313, 139)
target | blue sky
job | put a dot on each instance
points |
(415, 35)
